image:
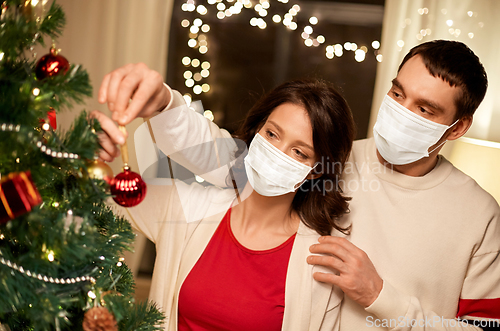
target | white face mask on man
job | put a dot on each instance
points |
(270, 171)
(403, 137)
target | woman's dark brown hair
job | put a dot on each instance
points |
(319, 202)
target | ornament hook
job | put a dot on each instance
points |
(124, 148)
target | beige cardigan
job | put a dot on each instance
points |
(181, 219)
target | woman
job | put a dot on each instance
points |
(228, 261)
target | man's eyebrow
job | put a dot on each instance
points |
(425, 102)
(396, 83)
(431, 104)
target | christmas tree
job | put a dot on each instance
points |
(60, 244)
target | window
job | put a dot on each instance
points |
(235, 62)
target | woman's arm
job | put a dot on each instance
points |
(173, 203)
(187, 137)
(151, 214)
(193, 141)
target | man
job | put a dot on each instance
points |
(423, 253)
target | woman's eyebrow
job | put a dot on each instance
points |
(302, 143)
(278, 128)
(299, 142)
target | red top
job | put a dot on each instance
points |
(234, 288)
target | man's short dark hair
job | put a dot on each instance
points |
(456, 64)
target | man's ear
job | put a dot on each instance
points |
(460, 128)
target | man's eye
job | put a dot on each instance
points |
(396, 94)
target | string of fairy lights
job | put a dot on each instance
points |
(45, 278)
(197, 71)
(6, 127)
(447, 22)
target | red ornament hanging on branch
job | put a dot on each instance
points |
(51, 119)
(127, 187)
(18, 195)
(51, 65)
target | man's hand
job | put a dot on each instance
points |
(109, 138)
(356, 276)
(133, 91)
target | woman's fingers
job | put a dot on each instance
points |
(109, 138)
(105, 156)
(109, 127)
(148, 97)
(133, 91)
(126, 91)
(103, 89)
(114, 85)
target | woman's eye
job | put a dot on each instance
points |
(270, 134)
(300, 154)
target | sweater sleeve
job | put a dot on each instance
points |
(480, 297)
(479, 301)
(149, 216)
(173, 203)
(193, 141)
(400, 312)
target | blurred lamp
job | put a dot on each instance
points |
(479, 159)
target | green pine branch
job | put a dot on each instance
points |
(143, 316)
(73, 233)
(20, 30)
(53, 23)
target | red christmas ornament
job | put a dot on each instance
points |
(51, 118)
(128, 188)
(51, 115)
(51, 65)
(18, 195)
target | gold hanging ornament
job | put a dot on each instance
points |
(26, 10)
(3, 15)
(100, 170)
(33, 10)
(99, 319)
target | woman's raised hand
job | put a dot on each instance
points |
(130, 91)
(133, 91)
(109, 138)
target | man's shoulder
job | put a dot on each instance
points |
(359, 147)
(465, 184)
(360, 143)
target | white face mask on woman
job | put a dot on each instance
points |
(403, 137)
(270, 171)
